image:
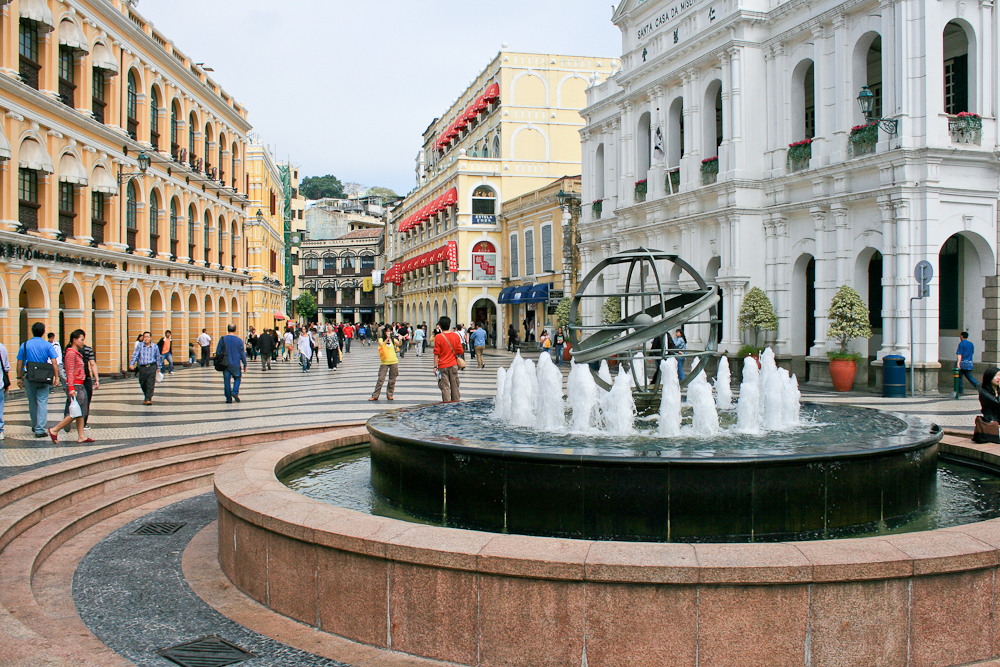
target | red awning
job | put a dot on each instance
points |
(451, 196)
(480, 104)
(278, 315)
(492, 92)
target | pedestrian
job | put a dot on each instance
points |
(447, 348)
(75, 391)
(253, 341)
(167, 352)
(963, 360)
(146, 361)
(558, 342)
(231, 348)
(313, 341)
(37, 373)
(92, 380)
(511, 338)
(680, 343)
(341, 337)
(478, 337)
(265, 344)
(55, 346)
(349, 336)
(332, 345)
(205, 341)
(419, 340)
(5, 368)
(388, 365)
(286, 352)
(545, 342)
(305, 350)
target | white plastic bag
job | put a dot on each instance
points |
(74, 408)
(159, 376)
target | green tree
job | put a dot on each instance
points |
(378, 191)
(611, 311)
(757, 314)
(320, 187)
(562, 313)
(305, 305)
(848, 318)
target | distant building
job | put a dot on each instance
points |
(265, 239)
(339, 273)
(332, 218)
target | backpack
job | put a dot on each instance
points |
(221, 360)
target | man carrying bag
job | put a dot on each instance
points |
(37, 373)
(448, 361)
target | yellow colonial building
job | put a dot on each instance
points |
(513, 130)
(122, 182)
(265, 240)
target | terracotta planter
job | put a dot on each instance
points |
(566, 352)
(842, 373)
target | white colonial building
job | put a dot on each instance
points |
(709, 100)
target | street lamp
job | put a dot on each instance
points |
(866, 101)
(144, 162)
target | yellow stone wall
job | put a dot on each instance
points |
(266, 195)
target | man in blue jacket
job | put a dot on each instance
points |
(231, 346)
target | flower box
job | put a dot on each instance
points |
(640, 190)
(597, 208)
(709, 170)
(966, 128)
(863, 138)
(799, 154)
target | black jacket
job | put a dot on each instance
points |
(265, 343)
(990, 405)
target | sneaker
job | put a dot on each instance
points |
(88, 427)
(2, 435)
(236, 398)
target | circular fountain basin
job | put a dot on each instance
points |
(844, 469)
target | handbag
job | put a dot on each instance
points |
(221, 360)
(36, 371)
(986, 431)
(459, 360)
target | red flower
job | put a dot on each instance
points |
(640, 182)
(967, 114)
(804, 142)
(710, 159)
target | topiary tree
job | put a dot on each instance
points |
(562, 312)
(848, 320)
(757, 314)
(305, 305)
(611, 311)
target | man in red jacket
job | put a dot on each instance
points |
(447, 345)
(348, 336)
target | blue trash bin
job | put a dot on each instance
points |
(893, 376)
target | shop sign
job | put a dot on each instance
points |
(347, 311)
(453, 256)
(666, 16)
(484, 266)
(13, 251)
(366, 284)
(366, 311)
(483, 219)
(329, 311)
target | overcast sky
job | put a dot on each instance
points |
(347, 88)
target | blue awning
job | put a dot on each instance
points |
(520, 294)
(506, 294)
(538, 294)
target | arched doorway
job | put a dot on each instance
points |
(101, 318)
(136, 317)
(484, 312)
(963, 262)
(803, 334)
(31, 301)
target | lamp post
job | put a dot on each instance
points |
(866, 101)
(144, 162)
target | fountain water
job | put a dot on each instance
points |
(723, 386)
(550, 411)
(523, 390)
(705, 420)
(582, 392)
(748, 418)
(618, 406)
(605, 373)
(670, 402)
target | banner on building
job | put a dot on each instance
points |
(453, 256)
(366, 284)
(484, 261)
(377, 278)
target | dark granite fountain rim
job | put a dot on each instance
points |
(918, 434)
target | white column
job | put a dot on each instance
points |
(784, 301)
(843, 246)
(901, 209)
(772, 114)
(888, 279)
(771, 269)
(822, 281)
(842, 110)
(737, 160)
(725, 155)
(612, 185)
(820, 75)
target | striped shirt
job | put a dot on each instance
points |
(145, 354)
(73, 364)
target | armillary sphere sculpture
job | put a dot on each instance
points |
(650, 312)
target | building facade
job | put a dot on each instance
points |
(733, 136)
(512, 131)
(540, 269)
(122, 181)
(339, 273)
(294, 230)
(265, 240)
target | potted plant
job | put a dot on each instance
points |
(709, 169)
(848, 320)
(799, 154)
(640, 190)
(596, 208)
(863, 138)
(756, 316)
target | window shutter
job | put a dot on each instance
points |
(529, 252)
(547, 248)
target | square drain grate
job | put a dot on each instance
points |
(159, 528)
(206, 652)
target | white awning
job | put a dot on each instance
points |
(32, 155)
(37, 11)
(102, 181)
(71, 170)
(102, 59)
(72, 36)
(4, 144)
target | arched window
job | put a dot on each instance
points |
(803, 101)
(154, 118)
(367, 263)
(643, 153)
(675, 133)
(867, 71)
(173, 227)
(220, 232)
(192, 126)
(207, 237)
(132, 106)
(496, 146)
(221, 163)
(234, 156)
(959, 75)
(486, 149)
(207, 138)
(175, 129)
(599, 173)
(191, 218)
(131, 214)
(713, 119)
(474, 152)
(154, 222)
(484, 201)
(232, 245)
(30, 61)
(347, 263)
(330, 265)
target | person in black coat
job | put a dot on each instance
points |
(989, 394)
(266, 343)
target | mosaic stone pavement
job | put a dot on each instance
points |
(191, 402)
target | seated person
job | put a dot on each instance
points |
(988, 426)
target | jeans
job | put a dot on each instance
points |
(680, 369)
(204, 355)
(967, 374)
(558, 351)
(168, 362)
(348, 345)
(3, 396)
(305, 361)
(234, 378)
(38, 404)
(265, 362)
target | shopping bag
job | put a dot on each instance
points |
(74, 408)
(159, 376)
